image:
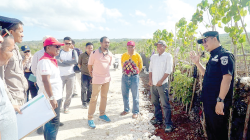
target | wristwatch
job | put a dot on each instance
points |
(219, 100)
(52, 98)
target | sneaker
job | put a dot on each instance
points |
(74, 95)
(105, 118)
(124, 113)
(66, 111)
(169, 128)
(91, 124)
(84, 106)
(135, 116)
(61, 124)
(40, 130)
(155, 121)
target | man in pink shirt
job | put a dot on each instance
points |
(98, 65)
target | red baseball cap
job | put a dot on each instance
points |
(131, 43)
(52, 41)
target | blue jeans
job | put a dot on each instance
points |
(130, 82)
(160, 95)
(51, 127)
(86, 90)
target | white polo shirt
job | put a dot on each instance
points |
(46, 67)
(159, 65)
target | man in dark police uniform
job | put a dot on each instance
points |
(217, 88)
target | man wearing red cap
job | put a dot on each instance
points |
(50, 83)
(131, 66)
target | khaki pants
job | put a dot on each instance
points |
(96, 88)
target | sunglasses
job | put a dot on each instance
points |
(5, 32)
(205, 39)
(68, 43)
(27, 52)
(56, 46)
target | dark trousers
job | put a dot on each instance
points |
(32, 88)
(86, 88)
(51, 127)
(159, 95)
(216, 125)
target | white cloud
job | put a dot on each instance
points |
(147, 36)
(132, 15)
(150, 7)
(124, 22)
(147, 22)
(183, 10)
(107, 29)
(61, 15)
(113, 13)
(101, 28)
(175, 14)
(139, 13)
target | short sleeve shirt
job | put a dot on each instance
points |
(46, 67)
(221, 62)
(83, 61)
(101, 63)
(131, 65)
(159, 65)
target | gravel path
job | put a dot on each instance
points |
(120, 128)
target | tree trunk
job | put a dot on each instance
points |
(246, 120)
(243, 26)
(191, 103)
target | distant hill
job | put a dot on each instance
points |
(119, 45)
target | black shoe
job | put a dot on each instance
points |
(85, 106)
(169, 128)
(40, 131)
(74, 95)
(61, 124)
(155, 121)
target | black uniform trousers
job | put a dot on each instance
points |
(216, 125)
(32, 88)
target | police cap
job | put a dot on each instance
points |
(7, 23)
(25, 48)
(208, 34)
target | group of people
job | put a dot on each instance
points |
(54, 68)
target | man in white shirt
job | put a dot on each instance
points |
(35, 59)
(160, 68)
(67, 58)
(37, 56)
(50, 83)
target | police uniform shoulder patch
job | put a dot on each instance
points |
(224, 60)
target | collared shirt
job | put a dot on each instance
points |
(221, 62)
(83, 61)
(101, 63)
(48, 66)
(131, 65)
(36, 57)
(13, 76)
(159, 65)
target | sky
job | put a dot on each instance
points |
(92, 19)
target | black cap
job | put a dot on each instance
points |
(6, 22)
(207, 34)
